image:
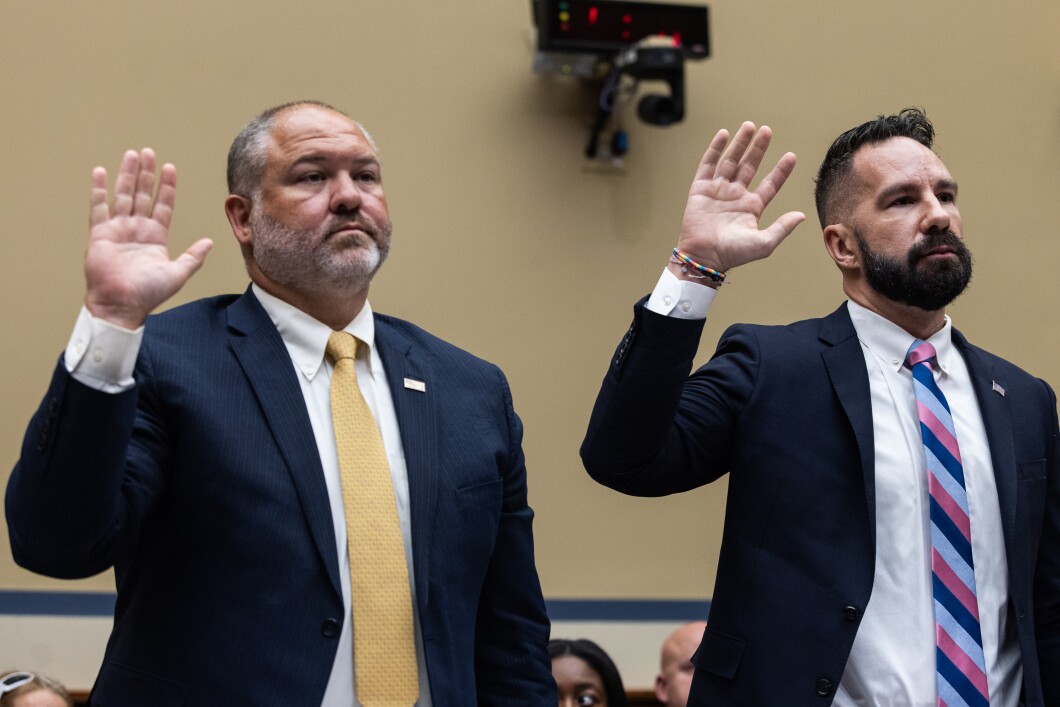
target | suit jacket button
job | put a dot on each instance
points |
(850, 614)
(824, 687)
(330, 628)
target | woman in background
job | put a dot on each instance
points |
(585, 675)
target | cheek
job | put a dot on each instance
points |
(377, 208)
(302, 213)
(955, 221)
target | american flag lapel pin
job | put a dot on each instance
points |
(997, 388)
(420, 386)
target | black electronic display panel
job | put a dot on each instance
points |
(608, 26)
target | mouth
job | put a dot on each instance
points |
(940, 251)
(351, 229)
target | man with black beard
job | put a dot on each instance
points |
(304, 502)
(892, 528)
(901, 282)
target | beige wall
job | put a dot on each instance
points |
(506, 242)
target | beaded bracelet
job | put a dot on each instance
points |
(688, 271)
(684, 260)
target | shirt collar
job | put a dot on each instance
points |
(306, 338)
(890, 342)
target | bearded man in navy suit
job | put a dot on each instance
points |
(195, 453)
(829, 589)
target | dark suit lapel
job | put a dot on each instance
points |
(406, 368)
(998, 423)
(267, 364)
(845, 363)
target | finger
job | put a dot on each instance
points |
(167, 193)
(710, 158)
(145, 183)
(125, 183)
(771, 184)
(783, 227)
(730, 160)
(753, 158)
(98, 211)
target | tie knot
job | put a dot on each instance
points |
(919, 352)
(341, 345)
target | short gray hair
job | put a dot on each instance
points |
(247, 155)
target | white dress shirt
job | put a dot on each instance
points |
(103, 356)
(892, 662)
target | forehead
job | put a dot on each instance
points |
(42, 697)
(313, 131)
(571, 670)
(897, 160)
(685, 642)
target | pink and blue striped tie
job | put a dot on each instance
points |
(960, 665)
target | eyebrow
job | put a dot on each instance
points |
(586, 685)
(907, 187)
(316, 158)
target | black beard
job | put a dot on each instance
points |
(931, 288)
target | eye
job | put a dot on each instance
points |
(902, 201)
(312, 177)
(367, 177)
(588, 699)
(947, 197)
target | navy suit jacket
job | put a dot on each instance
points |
(203, 488)
(786, 412)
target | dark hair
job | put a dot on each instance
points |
(912, 123)
(598, 660)
(246, 156)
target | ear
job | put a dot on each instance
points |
(237, 209)
(841, 245)
(660, 689)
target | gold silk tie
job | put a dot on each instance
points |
(384, 653)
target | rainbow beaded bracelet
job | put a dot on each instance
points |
(683, 259)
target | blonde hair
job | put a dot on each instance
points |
(36, 682)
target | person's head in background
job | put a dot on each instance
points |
(675, 666)
(585, 675)
(22, 689)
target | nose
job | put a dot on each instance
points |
(345, 195)
(937, 215)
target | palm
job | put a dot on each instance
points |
(720, 227)
(128, 271)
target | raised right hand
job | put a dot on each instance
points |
(720, 226)
(128, 272)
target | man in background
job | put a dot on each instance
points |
(304, 502)
(675, 664)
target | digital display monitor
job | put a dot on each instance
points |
(608, 26)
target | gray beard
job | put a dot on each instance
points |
(303, 260)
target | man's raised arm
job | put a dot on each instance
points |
(646, 426)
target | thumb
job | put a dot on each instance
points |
(192, 259)
(783, 226)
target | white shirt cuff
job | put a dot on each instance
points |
(682, 299)
(102, 355)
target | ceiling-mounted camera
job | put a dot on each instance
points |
(617, 44)
(664, 63)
